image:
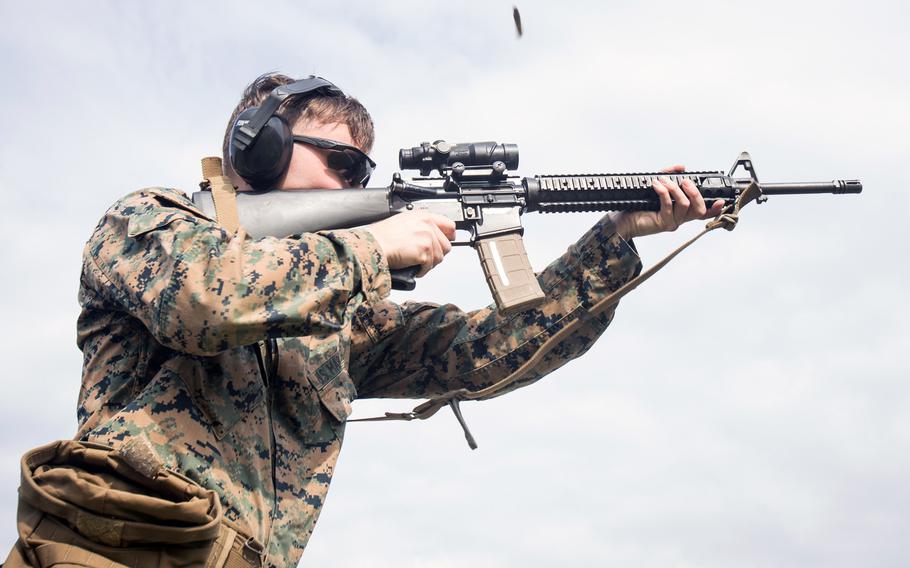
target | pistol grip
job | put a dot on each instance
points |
(509, 275)
(404, 278)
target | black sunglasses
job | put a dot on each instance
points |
(355, 166)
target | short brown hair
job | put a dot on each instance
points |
(322, 109)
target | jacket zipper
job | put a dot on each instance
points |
(268, 373)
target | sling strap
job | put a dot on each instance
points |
(224, 194)
(727, 219)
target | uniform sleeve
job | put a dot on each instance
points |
(201, 290)
(422, 350)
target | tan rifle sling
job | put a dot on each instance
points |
(224, 194)
(727, 219)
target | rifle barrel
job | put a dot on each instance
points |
(836, 186)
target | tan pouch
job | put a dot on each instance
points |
(86, 505)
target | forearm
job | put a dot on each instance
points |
(598, 264)
(427, 349)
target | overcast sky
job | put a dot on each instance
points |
(749, 406)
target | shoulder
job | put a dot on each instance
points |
(147, 209)
(147, 222)
(152, 206)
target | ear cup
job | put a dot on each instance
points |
(262, 163)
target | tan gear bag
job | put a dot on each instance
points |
(86, 505)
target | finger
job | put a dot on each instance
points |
(426, 266)
(425, 260)
(436, 246)
(715, 209)
(681, 202)
(665, 215)
(444, 241)
(446, 225)
(697, 207)
(424, 243)
(674, 169)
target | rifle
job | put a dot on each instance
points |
(475, 190)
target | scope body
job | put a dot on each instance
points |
(441, 155)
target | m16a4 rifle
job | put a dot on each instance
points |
(475, 189)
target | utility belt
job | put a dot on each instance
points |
(87, 505)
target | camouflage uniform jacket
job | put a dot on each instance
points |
(238, 359)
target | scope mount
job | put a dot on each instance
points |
(497, 170)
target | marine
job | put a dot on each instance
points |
(234, 361)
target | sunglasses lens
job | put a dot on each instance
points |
(362, 172)
(339, 160)
(354, 165)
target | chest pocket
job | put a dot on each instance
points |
(225, 388)
(315, 390)
(333, 385)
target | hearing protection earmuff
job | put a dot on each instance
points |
(261, 141)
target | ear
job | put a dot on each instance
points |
(262, 163)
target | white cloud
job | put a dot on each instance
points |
(642, 452)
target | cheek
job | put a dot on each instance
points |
(308, 171)
(302, 162)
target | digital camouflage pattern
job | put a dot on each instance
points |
(238, 359)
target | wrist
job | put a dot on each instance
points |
(369, 259)
(625, 228)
